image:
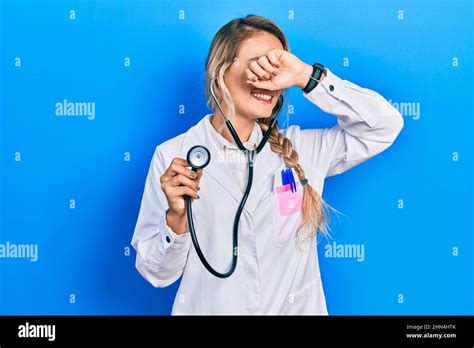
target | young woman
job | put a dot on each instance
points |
(249, 66)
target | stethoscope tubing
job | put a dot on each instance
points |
(251, 154)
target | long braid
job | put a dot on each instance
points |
(315, 209)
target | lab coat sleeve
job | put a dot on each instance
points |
(161, 253)
(367, 124)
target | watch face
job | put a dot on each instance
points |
(318, 71)
(318, 74)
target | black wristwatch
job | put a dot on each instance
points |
(318, 70)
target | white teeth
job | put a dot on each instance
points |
(262, 96)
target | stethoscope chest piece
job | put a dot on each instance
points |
(198, 157)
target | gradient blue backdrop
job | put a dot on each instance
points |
(83, 251)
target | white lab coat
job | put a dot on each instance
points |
(272, 276)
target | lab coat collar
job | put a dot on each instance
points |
(252, 142)
(266, 162)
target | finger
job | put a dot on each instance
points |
(180, 179)
(177, 168)
(199, 175)
(180, 161)
(258, 70)
(265, 64)
(198, 179)
(273, 59)
(250, 75)
(171, 170)
(180, 169)
(262, 84)
(179, 191)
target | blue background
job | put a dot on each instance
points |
(82, 251)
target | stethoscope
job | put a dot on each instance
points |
(199, 157)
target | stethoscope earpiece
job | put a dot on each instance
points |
(198, 157)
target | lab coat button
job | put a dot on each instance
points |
(331, 88)
(168, 239)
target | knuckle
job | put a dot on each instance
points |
(175, 181)
(184, 180)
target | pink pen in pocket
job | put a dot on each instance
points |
(288, 192)
(289, 201)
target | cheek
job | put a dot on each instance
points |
(236, 85)
(241, 90)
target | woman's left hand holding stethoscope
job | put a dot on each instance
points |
(277, 70)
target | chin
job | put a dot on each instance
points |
(256, 114)
(262, 111)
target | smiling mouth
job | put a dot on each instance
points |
(263, 97)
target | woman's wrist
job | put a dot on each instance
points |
(177, 222)
(303, 79)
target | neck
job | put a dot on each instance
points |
(242, 125)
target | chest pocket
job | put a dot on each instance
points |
(287, 205)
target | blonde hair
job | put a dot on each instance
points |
(223, 50)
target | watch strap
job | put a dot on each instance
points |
(318, 70)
